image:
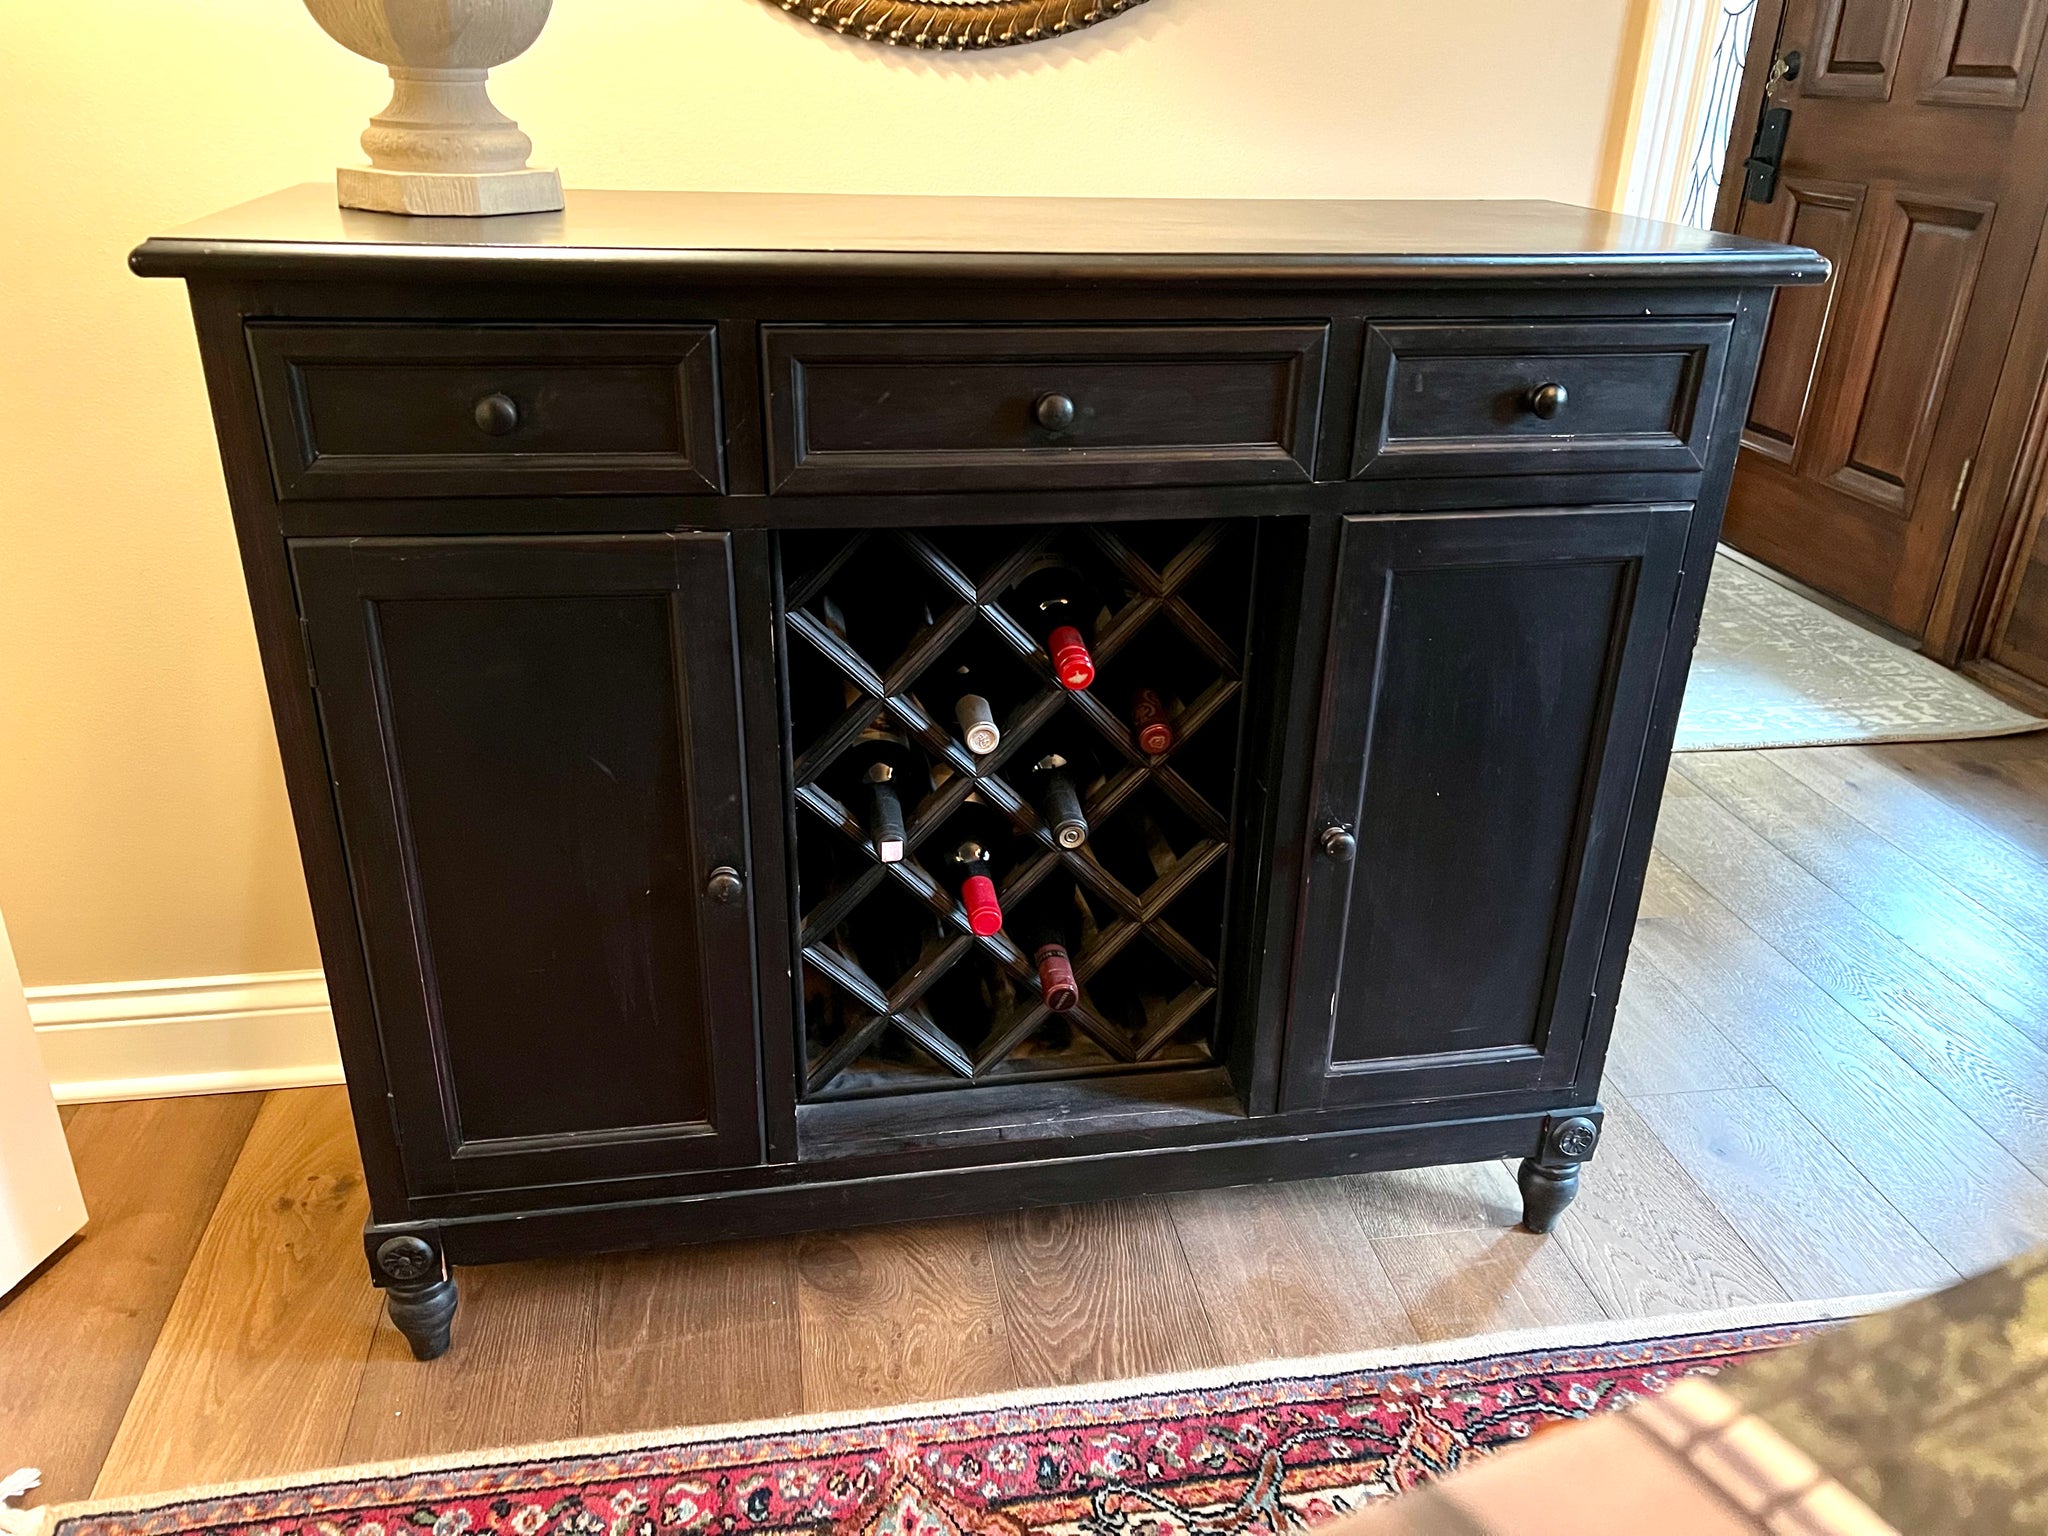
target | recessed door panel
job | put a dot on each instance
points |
(1984, 53)
(1491, 677)
(535, 751)
(1889, 405)
(1856, 47)
(1825, 216)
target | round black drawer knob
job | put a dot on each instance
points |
(497, 414)
(1055, 413)
(1339, 844)
(725, 885)
(1546, 400)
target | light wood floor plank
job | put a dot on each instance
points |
(256, 1369)
(1647, 1239)
(1457, 1284)
(516, 1372)
(1418, 1202)
(1285, 1271)
(1995, 962)
(1664, 1044)
(1976, 1202)
(2002, 782)
(75, 1339)
(1998, 1075)
(900, 1314)
(1999, 875)
(1821, 1228)
(664, 1318)
(1096, 1292)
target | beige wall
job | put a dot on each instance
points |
(143, 831)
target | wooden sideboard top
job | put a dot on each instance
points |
(726, 236)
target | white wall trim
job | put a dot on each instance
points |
(194, 1034)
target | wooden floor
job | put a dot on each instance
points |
(1830, 1079)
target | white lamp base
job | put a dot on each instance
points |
(460, 193)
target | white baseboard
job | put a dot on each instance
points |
(197, 1034)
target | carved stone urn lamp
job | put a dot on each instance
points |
(440, 147)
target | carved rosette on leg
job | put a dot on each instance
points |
(419, 1293)
(441, 147)
(1550, 1180)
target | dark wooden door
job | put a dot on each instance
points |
(535, 748)
(1918, 164)
(1486, 709)
(2016, 650)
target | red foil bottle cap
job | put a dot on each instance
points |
(984, 912)
(1071, 662)
(1056, 982)
(1155, 738)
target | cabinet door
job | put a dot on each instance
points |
(1486, 710)
(535, 747)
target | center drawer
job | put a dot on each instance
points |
(965, 408)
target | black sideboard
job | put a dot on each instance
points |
(598, 559)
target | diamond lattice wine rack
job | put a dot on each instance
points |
(936, 745)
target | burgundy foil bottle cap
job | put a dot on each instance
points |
(1056, 982)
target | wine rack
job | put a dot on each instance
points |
(898, 993)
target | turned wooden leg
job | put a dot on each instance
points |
(423, 1313)
(1550, 1180)
(419, 1292)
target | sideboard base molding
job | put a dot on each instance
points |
(979, 1190)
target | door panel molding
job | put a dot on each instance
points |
(1917, 276)
(1855, 49)
(1827, 216)
(1984, 54)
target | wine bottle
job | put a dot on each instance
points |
(1056, 603)
(984, 831)
(881, 768)
(1048, 940)
(1059, 799)
(973, 680)
(1152, 722)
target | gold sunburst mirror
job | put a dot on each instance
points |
(960, 24)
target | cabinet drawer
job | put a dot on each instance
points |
(480, 410)
(958, 408)
(1510, 397)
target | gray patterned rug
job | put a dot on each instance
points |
(1774, 669)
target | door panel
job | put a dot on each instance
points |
(1921, 285)
(1873, 398)
(1490, 680)
(1824, 215)
(1983, 53)
(1856, 47)
(536, 753)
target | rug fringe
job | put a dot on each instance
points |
(1583, 1335)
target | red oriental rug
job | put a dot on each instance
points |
(1258, 1448)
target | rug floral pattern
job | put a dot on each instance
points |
(1245, 1456)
